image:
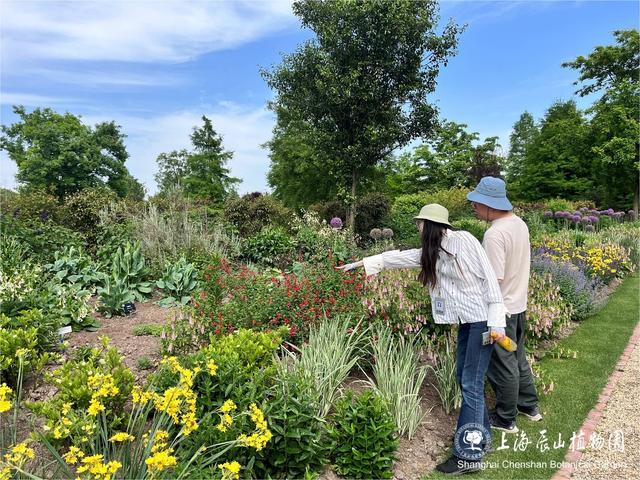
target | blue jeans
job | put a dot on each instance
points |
(472, 362)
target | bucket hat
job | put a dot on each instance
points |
(435, 213)
(491, 192)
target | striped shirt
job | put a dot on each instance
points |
(465, 281)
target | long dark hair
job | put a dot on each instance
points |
(432, 234)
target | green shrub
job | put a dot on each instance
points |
(32, 335)
(271, 247)
(330, 209)
(473, 226)
(405, 207)
(75, 382)
(33, 205)
(363, 437)
(41, 238)
(145, 363)
(81, 211)
(316, 240)
(372, 211)
(299, 446)
(560, 205)
(179, 280)
(252, 212)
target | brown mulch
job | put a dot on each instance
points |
(119, 330)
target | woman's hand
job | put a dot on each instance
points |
(497, 334)
(350, 266)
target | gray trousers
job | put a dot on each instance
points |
(510, 375)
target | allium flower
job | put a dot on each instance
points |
(595, 219)
(336, 223)
(585, 219)
(387, 233)
(589, 228)
(375, 233)
(559, 214)
(632, 214)
(548, 214)
(575, 218)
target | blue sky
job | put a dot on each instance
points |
(155, 67)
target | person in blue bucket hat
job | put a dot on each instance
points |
(506, 243)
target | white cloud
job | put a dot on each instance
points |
(31, 100)
(243, 130)
(133, 31)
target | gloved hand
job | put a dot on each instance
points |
(497, 334)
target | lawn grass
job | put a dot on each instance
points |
(599, 342)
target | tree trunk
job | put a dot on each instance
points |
(636, 199)
(351, 221)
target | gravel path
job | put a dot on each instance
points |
(622, 412)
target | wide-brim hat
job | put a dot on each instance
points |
(491, 192)
(435, 213)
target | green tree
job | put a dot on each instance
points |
(614, 69)
(361, 85)
(556, 163)
(60, 154)
(452, 157)
(200, 173)
(298, 173)
(615, 139)
(523, 133)
(610, 64)
(172, 168)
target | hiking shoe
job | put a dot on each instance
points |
(499, 424)
(532, 414)
(458, 466)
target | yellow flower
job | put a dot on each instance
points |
(22, 352)
(66, 408)
(72, 456)
(5, 404)
(99, 470)
(212, 368)
(122, 437)
(160, 461)
(228, 406)
(19, 454)
(161, 435)
(5, 473)
(140, 397)
(95, 407)
(230, 471)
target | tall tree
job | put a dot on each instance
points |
(523, 133)
(298, 173)
(59, 153)
(615, 70)
(362, 84)
(556, 163)
(610, 64)
(201, 173)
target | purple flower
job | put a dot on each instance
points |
(585, 219)
(548, 214)
(336, 223)
(583, 209)
(575, 218)
(577, 212)
(594, 219)
(559, 214)
(632, 214)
